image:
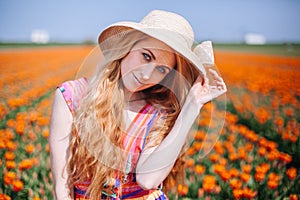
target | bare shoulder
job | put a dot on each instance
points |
(61, 117)
(60, 102)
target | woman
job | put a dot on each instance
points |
(121, 133)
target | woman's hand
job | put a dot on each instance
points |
(201, 94)
(155, 163)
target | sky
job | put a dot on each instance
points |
(221, 21)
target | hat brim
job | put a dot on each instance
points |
(170, 38)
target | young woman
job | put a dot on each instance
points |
(121, 134)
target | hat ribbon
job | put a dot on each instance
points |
(204, 51)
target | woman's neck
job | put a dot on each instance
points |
(134, 101)
(133, 96)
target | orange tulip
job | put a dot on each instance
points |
(273, 180)
(262, 115)
(235, 184)
(182, 189)
(33, 116)
(9, 155)
(223, 161)
(2, 144)
(271, 145)
(219, 168)
(225, 175)
(47, 148)
(248, 193)
(219, 148)
(190, 162)
(233, 157)
(259, 176)
(17, 185)
(214, 157)
(31, 135)
(46, 133)
(234, 172)
(43, 121)
(272, 185)
(200, 135)
(263, 168)
(11, 146)
(9, 177)
(242, 154)
(245, 177)
(237, 193)
(4, 197)
(9, 134)
(29, 148)
(20, 128)
(10, 123)
(273, 155)
(190, 151)
(249, 146)
(247, 168)
(293, 197)
(25, 164)
(10, 164)
(289, 112)
(200, 193)
(199, 169)
(262, 151)
(279, 121)
(293, 138)
(291, 173)
(286, 158)
(197, 145)
(209, 183)
(231, 118)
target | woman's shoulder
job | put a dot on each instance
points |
(72, 85)
(73, 91)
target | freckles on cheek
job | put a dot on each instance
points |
(126, 66)
(123, 67)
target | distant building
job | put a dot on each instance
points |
(254, 38)
(40, 36)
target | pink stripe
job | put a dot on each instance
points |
(135, 129)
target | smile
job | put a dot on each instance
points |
(137, 79)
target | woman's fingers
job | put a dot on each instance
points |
(215, 75)
(217, 80)
(203, 93)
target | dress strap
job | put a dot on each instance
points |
(73, 91)
(136, 136)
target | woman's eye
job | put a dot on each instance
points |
(147, 56)
(161, 69)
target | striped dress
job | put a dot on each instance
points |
(133, 143)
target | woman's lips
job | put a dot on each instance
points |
(137, 79)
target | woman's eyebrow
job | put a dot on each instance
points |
(169, 68)
(150, 53)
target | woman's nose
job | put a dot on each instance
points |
(147, 70)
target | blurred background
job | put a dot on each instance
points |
(256, 153)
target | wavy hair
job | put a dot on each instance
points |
(98, 121)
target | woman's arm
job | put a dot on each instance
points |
(156, 163)
(60, 128)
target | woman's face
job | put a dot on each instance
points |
(148, 62)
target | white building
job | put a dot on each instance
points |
(254, 38)
(40, 36)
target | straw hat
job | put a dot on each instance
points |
(173, 30)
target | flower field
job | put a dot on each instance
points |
(257, 154)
